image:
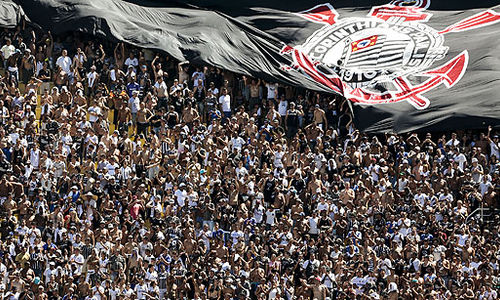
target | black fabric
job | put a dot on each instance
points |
(246, 37)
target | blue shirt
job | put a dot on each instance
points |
(8, 153)
(131, 87)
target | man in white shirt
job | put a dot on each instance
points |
(144, 245)
(270, 216)
(225, 102)
(374, 169)
(476, 170)
(92, 78)
(494, 144)
(258, 212)
(160, 88)
(421, 197)
(91, 139)
(94, 113)
(176, 87)
(132, 61)
(134, 105)
(359, 281)
(236, 234)
(49, 272)
(272, 90)
(205, 236)
(462, 238)
(116, 74)
(112, 166)
(236, 142)
(141, 289)
(282, 108)
(453, 141)
(459, 158)
(35, 156)
(7, 50)
(64, 61)
(485, 184)
(77, 259)
(151, 273)
(181, 194)
(214, 90)
(313, 224)
(495, 147)
(445, 195)
(196, 76)
(322, 205)
(278, 157)
(402, 182)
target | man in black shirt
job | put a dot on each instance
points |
(19, 43)
(162, 281)
(18, 154)
(348, 170)
(44, 139)
(105, 73)
(298, 182)
(292, 121)
(178, 102)
(45, 76)
(269, 187)
(157, 120)
(210, 103)
(53, 127)
(172, 117)
(37, 262)
(27, 66)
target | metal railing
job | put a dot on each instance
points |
(483, 212)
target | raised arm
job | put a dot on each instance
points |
(153, 67)
(122, 50)
(153, 64)
(181, 64)
(103, 53)
(115, 52)
(32, 45)
(488, 136)
(51, 44)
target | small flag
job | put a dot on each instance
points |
(364, 43)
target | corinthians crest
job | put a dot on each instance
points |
(384, 57)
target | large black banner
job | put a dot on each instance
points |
(404, 64)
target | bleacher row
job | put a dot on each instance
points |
(38, 111)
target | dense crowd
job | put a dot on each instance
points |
(128, 175)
